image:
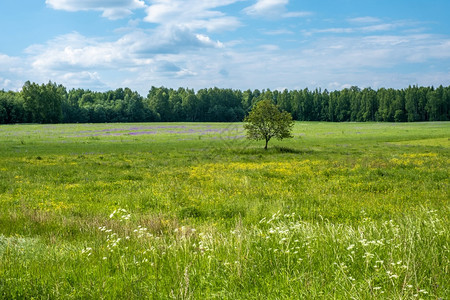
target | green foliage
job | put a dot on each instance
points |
(51, 103)
(266, 121)
(150, 211)
(44, 102)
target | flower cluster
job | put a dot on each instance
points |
(142, 232)
(121, 214)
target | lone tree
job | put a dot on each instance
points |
(266, 121)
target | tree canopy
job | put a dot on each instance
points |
(53, 103)
(266, 121)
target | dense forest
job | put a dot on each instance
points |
(52, 103)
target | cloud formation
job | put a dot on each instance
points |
(199, 43)
(192, 14)
(112, 9)
(75, 51)
(267, 7)
(273, 9)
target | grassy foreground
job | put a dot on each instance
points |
(194, 211)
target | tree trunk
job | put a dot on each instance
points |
(267, 141)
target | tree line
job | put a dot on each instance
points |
(53, 103)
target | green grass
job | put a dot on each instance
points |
(194, 211)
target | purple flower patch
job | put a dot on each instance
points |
(142, 132)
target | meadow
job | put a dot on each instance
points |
(196, 211)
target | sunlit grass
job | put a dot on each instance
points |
(196, 211)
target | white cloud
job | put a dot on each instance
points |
(112, 9)
(181, 50)
(74, 51)
(334, 30)
(116, 13)
(269, 47)
(333, 63)
(363, 28)
(82, 79)
(205, 40)
(279, 32)
(273, 9)
(353, 55)
(192, 14)
(165, 39)
(7, 62)
(78, 61)
(297, 14)
(379, 27)
(141, 59)
(364, 20)
(10, 72)
(267, 8)
(5, 84)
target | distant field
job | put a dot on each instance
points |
(195, 211)
(440, 142)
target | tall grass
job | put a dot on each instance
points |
(194, 211)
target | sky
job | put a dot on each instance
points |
(240, 44)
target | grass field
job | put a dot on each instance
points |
(195, 211)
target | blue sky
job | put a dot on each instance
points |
(239, 44)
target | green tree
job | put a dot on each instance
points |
(44, 102)
(412, 103)
(159, 101)
(266, 121)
